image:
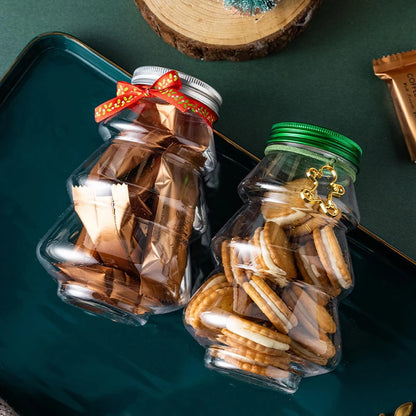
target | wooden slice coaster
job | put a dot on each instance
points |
(207, 30)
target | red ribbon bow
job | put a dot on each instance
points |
(166, 87)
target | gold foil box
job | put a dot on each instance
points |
(399, 71)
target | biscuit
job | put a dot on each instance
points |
(302, 353)
(270, 304)
(251, 366)
(286, 196)
(244, 306)
(311, 268)
(210, 296)
(216, 280)
(262, 261)
(282, 215)
(256, 255)
(226, 262)
(213, 280)
(246, 257)
(279, 249)
(309, 265)
(317, 220)
(331, 257)
(319, 345)
(237, 248)
(229, 338)
(255, 336)
(285, 206)
(205, 336)
(281, 361)
(257, 265)
(215, 307)
(318, 295)
(310, 314)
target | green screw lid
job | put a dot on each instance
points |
(318, 137)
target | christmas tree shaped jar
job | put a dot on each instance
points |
(121, 249)
(268, 313)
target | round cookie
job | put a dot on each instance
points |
(282, 215)
(255, 336)
(258, 260)
(279, 249)
(331, 257)
(285, 206)
(252, 366)
(302, 352)
(270, 304)
(280, 361)
(237, 248)
(232, 340)
(245, 307)
(319, 345)
(247, 258)
(256, 255)
(316, 220)
(226, 260)
(318, 295)
(215, 279)
(215, 293)
(302, 320)
(314, 310)
(309, 265)
(289, 195)
(311, 315)
(215, 308)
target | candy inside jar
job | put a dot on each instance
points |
(121, 249)
(269, 312)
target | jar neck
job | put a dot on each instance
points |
(313, 152)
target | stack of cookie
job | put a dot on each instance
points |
(271, 313)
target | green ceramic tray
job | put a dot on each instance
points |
(57, 360)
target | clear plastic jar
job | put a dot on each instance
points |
(268, 313)
(121, 249)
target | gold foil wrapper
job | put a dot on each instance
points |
(157, 115)
(399, 71)
(98, 215)
(86, 247)
(96, 277)
(106, 284)
(177, 189)
(125, 289)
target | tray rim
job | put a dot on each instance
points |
(91, 50)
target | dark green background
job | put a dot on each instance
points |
(323, 77)
(57, 360)
(49, 349)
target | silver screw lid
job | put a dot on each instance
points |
(191, 86)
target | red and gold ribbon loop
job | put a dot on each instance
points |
(166, 87)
